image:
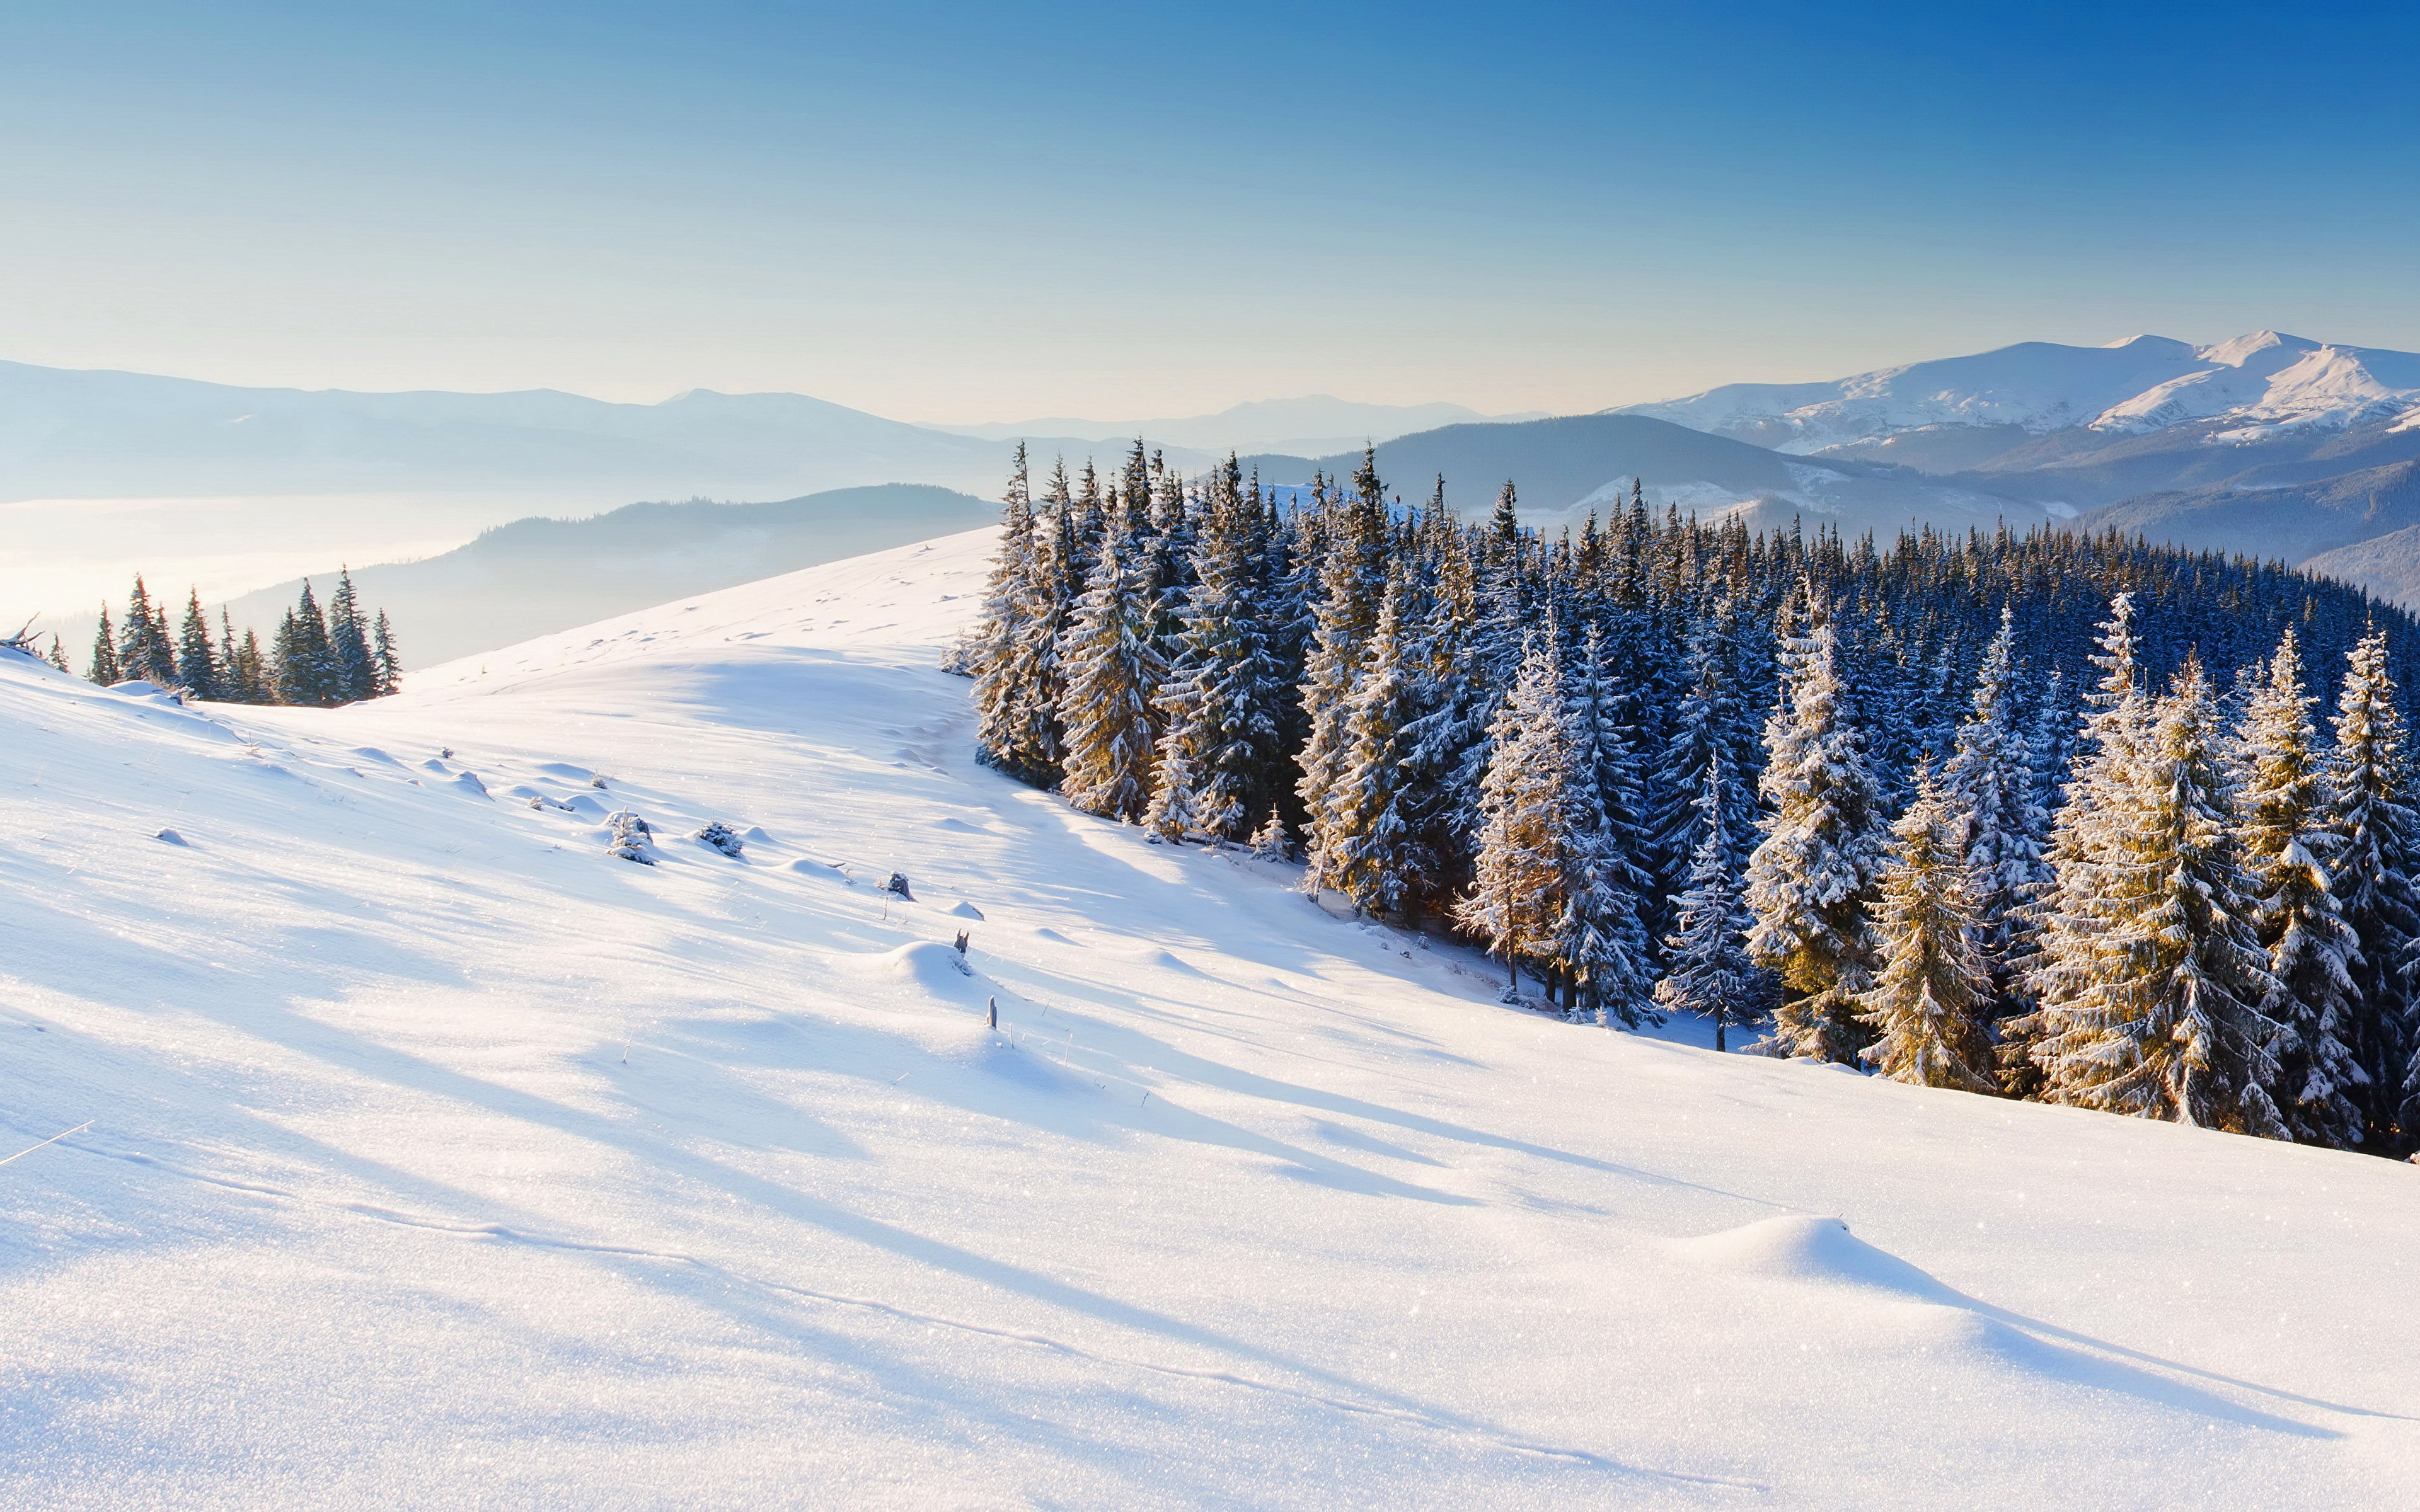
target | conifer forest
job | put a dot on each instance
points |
(317, 657)
(2056, 816)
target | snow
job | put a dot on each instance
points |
(2264, 381)
(437, 1157)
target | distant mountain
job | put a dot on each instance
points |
(1561, 467)
(534, 577)
(98, 435)
(1306, 427)
(2388, 565)
(1971, 411)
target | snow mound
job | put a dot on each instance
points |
(1810, 1249)
(938, 970)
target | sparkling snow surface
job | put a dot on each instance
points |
(438, 1158)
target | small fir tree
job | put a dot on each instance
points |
(1710, 974)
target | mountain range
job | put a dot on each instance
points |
(2267, 444)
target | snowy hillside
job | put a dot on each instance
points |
(431, 1156)
(2261, 383)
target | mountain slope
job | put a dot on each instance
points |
(2254, 385)
(2294, 522)
(1565, 466)
(534, 577)
(436, 1157)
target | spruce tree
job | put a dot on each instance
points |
(1367, 844)
(352, 664)
(1931, 1002)
(2376, 840)
(197, 663)
(1515, 899)
(1113, 672)
(1271, 842)
(1708, 971)
(2281, 813)
(1811, 879)
(1602, 939)
(59, 656)
(383, 656)
(1987, 786)
(2160, 1017)
(1221, 701)
(104, 668)
(144, 649)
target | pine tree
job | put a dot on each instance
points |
(2377, 856)
(1367, 844)
(1986, 785)
(1601, 941)
(1810, 880)
(2281, 810)
(1930, 1003)
(59, 656)
(1221, 701)
(2084, 907)
(1710, 974)
(1113, 672)
(1353, 581)
(144, 650)
(1515, 897)
(388, 665)
(249, 672)
(104, 669)
(1271, 842)
(197, 662)
(352, 666)
(2160, 1017)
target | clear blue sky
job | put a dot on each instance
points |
(977, 211)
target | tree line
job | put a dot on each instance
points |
(317, 657)
(2041, 815)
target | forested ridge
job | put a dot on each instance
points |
(2053, 815)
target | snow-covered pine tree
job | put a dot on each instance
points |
(1707, 971)
(1811, 879)
(144, 649)
(1353, 581)
(1173, 815)
(197, 662)
(383, 656)
(1987, 784)
(1271, 842)
(352, 670)
(1515, 899)
(2082, 907)
(106, 669)
(2281, 812)
(992, 649)
(1366, 843)
(1114, 673)
(1602, 940)
(1711, 720)
(1221, 701)
(2377, 859)
(2158, 1015)
(250, 673)
(1931, 1002)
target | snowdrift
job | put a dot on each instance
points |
(437, 1157)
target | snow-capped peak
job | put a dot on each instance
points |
(2265, 379)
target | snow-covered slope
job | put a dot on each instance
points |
(2262, 383)
(433, 1158)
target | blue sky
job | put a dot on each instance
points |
(976, 213)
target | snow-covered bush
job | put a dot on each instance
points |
(630, 838)
(720, 837)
